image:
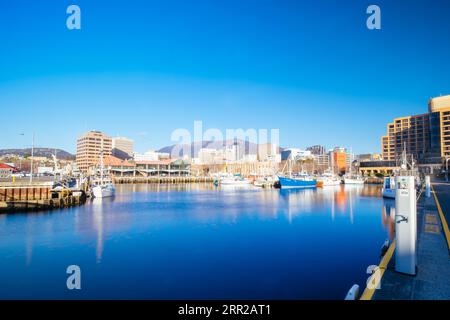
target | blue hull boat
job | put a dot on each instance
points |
(296, 183)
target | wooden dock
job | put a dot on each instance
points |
(14, 199)
(163, 179)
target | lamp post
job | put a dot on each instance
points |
(32, 155)
(446, 168)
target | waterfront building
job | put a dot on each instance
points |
(425, 136)
(268, 152)
(250, 158)
(368, 157)
(322, 160)
(210, 156)
(340, 159)
(151, 155)
(317, 150)
(89, 147)
(122, 147)
(5, 171)
(295, 153)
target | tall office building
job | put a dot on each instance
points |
(89, 147)
(122, 147)
(317, 150)
(426, 136)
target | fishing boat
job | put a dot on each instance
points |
(103, 187)
(328, 178)
(299, 180)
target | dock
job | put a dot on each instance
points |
(33, 198)
(162, 179)
(432, 280)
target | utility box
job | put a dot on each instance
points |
(405, 225)
(427, 186)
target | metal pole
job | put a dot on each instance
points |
(446, 170)
(32, 155)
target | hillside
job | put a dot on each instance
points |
(38, 152)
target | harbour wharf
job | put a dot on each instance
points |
(432, 280)
(163, 179)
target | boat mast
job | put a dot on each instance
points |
(101, 167)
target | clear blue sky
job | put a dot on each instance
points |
(141, 69)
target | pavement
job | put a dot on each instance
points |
(432, 281)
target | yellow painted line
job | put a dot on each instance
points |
(441, 215)
(368, 293)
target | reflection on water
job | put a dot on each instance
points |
(199, 241)
(388, 217)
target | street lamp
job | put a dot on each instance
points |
(446, 168)
(32, 155)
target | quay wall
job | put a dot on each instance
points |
(14, 199)
(163, 179)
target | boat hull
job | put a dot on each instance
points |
(388, 193)
(353, 181)
(103, 191)
(231, 182)
(286, 183)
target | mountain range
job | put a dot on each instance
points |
(38, 152)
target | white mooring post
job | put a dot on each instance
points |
(405, 225)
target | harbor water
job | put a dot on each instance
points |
(197, 241)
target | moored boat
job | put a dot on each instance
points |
(354, 179)
(388, 190)
(103, 187)
(328, 179)
(297, 182)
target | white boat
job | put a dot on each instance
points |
(264, 182)
(388, 190)
(329, 179)
(234, 181)
(103, 187)
(103, 191)
(354, 179)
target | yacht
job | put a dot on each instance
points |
(103, 187)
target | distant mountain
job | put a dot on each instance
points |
(39, 152)
(179, 150)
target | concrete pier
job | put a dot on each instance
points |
(432, 281)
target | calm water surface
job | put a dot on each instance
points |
(198, 242)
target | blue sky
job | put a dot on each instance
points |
(142, 69)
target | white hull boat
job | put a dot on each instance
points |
(358, 180)
(103, 191)
(234, 182)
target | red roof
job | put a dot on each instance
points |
(5, 166)
(116, 162)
